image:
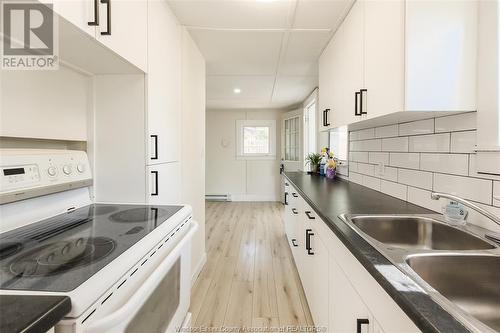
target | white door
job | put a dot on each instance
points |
(164, 82)
(350, 65)
(81, 13)
(164, 184)
(384, 57)
(320, 281)
(348, 313)
(123, 29)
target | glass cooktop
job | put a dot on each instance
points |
(62, 252)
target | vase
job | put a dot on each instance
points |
(314, 168)
(330, 173)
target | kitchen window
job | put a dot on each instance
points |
(292, 137)
(256, 139)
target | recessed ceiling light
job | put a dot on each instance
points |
(236, 90)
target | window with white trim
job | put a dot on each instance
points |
(292, 134)
(256, 139)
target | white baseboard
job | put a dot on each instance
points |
(254, 197)
(199, 267)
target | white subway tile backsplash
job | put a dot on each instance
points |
(496, 193)
(410, 160)
(358, 156)
(393, 189)
(423, 198)
(445, 163)
(405, 160)
(376, 158)
(366, 169)
(463, 142)
(417, 127)
(371, 182)
(389, 173)
(395, 144)
(421, 179)
(480, 190)
(355, 177)
(459, 122)
(439, 143)
(386, 131)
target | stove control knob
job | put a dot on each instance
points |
(80, 167)
(67, 169)
(52, 171)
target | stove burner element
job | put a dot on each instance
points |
(142, 214)
(62, 256)
(102, 210)
(8, 249)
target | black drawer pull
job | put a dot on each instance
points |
(96, 14)
(294, 242)
(155, 192)
(359, 323)
(286, 198)
(308, 213)
(357, 95)
(362, 93)
(295, 195)
(294, 211)
(309, 233)
(155, 155)
(108, 17)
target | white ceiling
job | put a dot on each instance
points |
(267, 48)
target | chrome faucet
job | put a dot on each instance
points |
(437, 195)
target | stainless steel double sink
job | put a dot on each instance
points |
(457, 266)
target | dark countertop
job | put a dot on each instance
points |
(329, 199)
(31, 313)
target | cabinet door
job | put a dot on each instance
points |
(123, 29)
(326, 85)
(347, 310)
(320, 281)
(350, 67)
(78, 12)
(440, 39)
(163, 83)
(164, 184)
(384, 57)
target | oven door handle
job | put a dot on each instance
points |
(118, 320)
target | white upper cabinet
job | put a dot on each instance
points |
(396, 56)
(441, 55)
(163, 84)
(81, 13)
(123, 28)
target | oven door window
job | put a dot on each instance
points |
(157, 312)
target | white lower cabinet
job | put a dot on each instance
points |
(341, 294)
(164, 184)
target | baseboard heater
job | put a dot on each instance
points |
(218, 197)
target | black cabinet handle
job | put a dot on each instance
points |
(295, 195)
(155, 174)
(362, 92)
(286, 184)
(309, 233)
(286, 198)
(308, 213)
(357, 95)
(294, 242)
(155, 155)
(359, 323)
(325, 117)
(96, 14)
(108, 17)
(294, 211)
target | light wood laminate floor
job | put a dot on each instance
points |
(250, 279)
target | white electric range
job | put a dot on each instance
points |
(126, 267)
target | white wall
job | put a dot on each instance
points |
(435, 154)
(45, 104)
(193, 142)
(248, 180)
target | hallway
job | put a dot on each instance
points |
(249, 279)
